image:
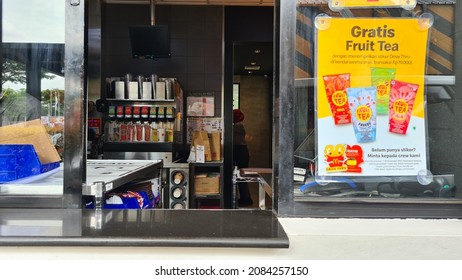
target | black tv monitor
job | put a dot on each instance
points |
(150, 42)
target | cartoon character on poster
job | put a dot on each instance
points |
(343, 158)
(335, 157)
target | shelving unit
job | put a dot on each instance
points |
(139, 147)
(149, 104)
(146, 117)
(206, 200)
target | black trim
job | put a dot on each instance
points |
(290, 206)
(137, 147)
(228, 123)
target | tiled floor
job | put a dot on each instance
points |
(253, 188)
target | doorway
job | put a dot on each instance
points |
(248, 29)
(253, 68)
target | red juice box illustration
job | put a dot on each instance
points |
(336, 86)
(402, 97)
(381, 77)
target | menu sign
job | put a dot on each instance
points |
(370, 96)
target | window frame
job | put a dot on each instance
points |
(74, 156)
(287, 205)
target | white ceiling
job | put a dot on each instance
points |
(198, 2)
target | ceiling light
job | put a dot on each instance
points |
(257, 51)
(253, 63)
(252, 68)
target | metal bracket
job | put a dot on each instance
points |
(97, 190)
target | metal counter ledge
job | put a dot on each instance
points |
(147, 227)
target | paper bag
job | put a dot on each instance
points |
(192, 154)
(200, 154)
(215, 145)
(201, 138)
(205, 138)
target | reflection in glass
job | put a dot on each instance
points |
(32, 95)
(439, 94)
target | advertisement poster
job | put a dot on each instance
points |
(370, 96)
(200, 106)
(201, 124)
(342, 4)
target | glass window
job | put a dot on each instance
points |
(236, 96)
(375, 118)
(31, 100)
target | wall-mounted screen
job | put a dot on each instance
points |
(150, 42)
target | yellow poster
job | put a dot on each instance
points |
(341, 4)
(370, 95)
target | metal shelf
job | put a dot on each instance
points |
(214, 167)
(137, 146)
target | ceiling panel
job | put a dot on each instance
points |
(253, 54)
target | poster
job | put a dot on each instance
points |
(200, 106)
(370, 96)
(199, 124)
(342, 4)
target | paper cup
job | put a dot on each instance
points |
(161, 134)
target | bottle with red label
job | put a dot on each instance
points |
(144, 112)
(123, 132)
(128, 112)
(120, 112)
(136, 112)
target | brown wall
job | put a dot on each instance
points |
(256, 103)
(196, 44)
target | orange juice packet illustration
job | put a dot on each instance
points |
(402, 97)
(336, 86)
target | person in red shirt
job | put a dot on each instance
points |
(241, 155)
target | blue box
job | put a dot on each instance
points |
(20, 161)
(127, 203)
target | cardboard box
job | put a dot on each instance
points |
(207, 184)
(26, 150)
(34, 133)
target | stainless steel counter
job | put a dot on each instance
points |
(42, 226)
(46, 190)
(155, 227)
